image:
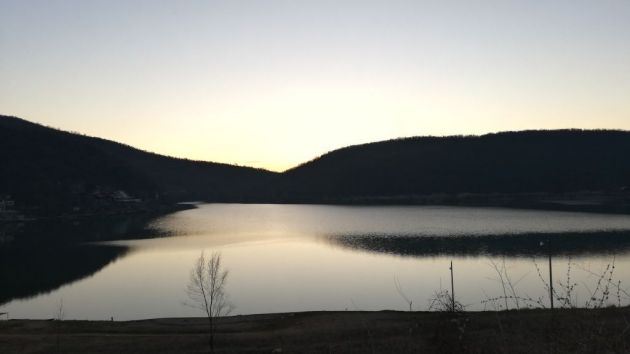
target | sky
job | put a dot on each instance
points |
(271, 84)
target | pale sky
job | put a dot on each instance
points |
(275, 83)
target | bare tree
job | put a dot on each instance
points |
(206, 289)
(60, 315)
(402, 294)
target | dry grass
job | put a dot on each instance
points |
(604, 330)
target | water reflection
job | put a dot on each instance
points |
(26, 273)
(520, 245)
(295, 257)
(38, 257)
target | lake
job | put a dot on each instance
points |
(284, 258)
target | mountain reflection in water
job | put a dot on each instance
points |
(520, 245)
(39, 257)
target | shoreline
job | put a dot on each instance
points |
(598, 202)
(153, 209)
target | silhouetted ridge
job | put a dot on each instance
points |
(554, 161)
(55, 171)
(49, 169)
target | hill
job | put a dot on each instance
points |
(556, 161)
(49, 171)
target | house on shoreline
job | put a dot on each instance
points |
(7, 209)
(6, 203)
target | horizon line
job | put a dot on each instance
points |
(327, 152)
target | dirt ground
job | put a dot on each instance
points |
(526, 331)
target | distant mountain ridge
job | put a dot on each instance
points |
(52, 169)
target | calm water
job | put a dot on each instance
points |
(285, 258)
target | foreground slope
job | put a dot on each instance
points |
(525, 331)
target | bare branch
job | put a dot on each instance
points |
(206, 290)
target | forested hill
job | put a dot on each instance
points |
(53, 170)
(512, 162)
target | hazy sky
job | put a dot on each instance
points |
(274, 83)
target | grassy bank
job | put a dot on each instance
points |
(530, 331)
